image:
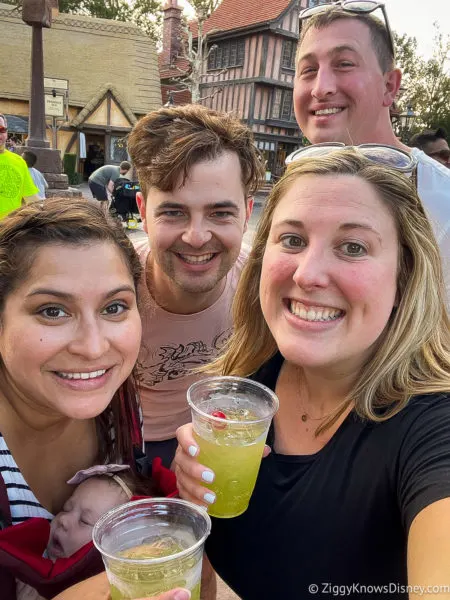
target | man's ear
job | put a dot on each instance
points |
(248, 211)
(392, 82)
(141, 206)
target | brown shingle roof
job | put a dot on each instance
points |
(235, 14)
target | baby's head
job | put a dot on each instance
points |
(72, 528)
(99, 489)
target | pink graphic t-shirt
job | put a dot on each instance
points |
(173, 345)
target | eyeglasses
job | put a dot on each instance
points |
(388, 156)
(3, 129)
(356, 7)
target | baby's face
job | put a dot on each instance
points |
(72, 527)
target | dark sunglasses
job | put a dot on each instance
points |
(356, 7)
(3, 129)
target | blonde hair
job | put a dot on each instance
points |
(413, 353)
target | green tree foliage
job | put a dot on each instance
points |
(146, 14)
(426, 83)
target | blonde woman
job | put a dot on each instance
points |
(340, 310)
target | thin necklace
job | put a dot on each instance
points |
(305, 416)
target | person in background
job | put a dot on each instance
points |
(39, 180)
(11, 144)
(16, 184)
(345, 83)
(434, 143)
(102, 180)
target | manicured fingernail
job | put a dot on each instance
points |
(209, 498)
(208, 476)
(193, 450)
(182, 595)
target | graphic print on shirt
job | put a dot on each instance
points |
(10, 182)
(174, 361)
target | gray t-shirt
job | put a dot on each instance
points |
(105, 174)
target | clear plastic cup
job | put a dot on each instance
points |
(231, 447)
(152, 546)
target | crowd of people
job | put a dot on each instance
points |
(340, 307)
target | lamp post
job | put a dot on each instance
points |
(38, 14)
(406, 120)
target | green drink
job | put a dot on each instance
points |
(231, 418)
(152, 546)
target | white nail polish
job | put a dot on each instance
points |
(208, 476)
(209, 498)
(193, 450)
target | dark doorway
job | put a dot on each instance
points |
(95, 153)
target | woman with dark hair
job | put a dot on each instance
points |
(69, 337)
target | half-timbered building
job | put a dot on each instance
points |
(251, 69)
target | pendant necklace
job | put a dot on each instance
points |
(306, 417)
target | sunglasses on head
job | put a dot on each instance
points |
(3, 129)
(384, 155)
(356, 7)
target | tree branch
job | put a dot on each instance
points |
(218, 91)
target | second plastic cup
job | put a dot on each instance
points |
(152, 546)
(231, 417)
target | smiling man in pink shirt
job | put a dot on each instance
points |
(198, 170)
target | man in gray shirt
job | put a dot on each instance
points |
(101, 178)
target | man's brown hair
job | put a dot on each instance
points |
(378, 32)
(167, 143)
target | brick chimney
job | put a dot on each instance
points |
(171, 32)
